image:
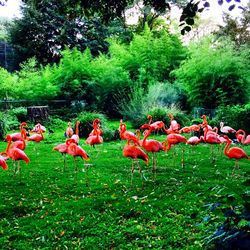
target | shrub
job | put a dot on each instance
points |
(237, 116)
(2, 125)
(86, 121)
(20, 113)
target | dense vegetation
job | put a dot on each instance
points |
(97, 66)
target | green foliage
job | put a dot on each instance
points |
(86, 121)
(237, 116)
(65, 27)
(20, 113)
(149, 57)
(3, 128)
(7, 84)
(140, 103)
(214, 75)
(35, 83)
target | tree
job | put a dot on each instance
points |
(237, 29)
(46, 30)
(215, 74)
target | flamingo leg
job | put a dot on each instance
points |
(235, 165)
(19, 170)
(182, 160)
(15, 168)
(87, 176)
(140, 170)
(132, 173)
(75, 170)
(64, 162)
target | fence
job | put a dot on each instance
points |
(198, 112)
(54, 106)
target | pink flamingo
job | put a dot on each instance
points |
(240, 135)
(95, 137)
(211, 138)
(63, 149)
(226, 129)
(18, 136)
(15, 154)
(174, 126)
(135, 153)
(173, 139)
(3, 163)
(155, 125)
(37, 137)
(37, 127)
(96, 125)
(185, 130)
(77, 151)
(153, 146)
(21, 144)
(69, 130)
(126, 135)
(75, 136)
(234, 153)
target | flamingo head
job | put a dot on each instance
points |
(227, 138)
(221, 124)
(144, 126)
(8, 138)
(170, 115)
(149, 116)
(204, 117)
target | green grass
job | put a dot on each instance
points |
(48, 209)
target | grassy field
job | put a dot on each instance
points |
(177, 208)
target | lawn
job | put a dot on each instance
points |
(178, 208)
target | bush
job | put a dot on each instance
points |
(237, 117)
(20, 113)
(2, 125)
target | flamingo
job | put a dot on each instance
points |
(155, 125)
(240, 135)
(96, 125)
(135, 153)
(185, 130)
(3, 163)
(37, 137)
(195, 127)
(63, 149)
(21, 144)
(174, 126)
(75, 136)
(77, 151)
(153, 146)
(69, 131)
(15, 154)
(194, 140)
(18, 136)
(211, 138)
(226, 129)
(234, 153)
(173, 139)
(95, 137)
(126, 135)
(37, 127)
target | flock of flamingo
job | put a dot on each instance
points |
(138, 149)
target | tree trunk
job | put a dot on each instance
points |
(38, 113)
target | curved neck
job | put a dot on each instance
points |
(240, 131)
(122, 128)
(147, 134)
(226, 147)
(8, 147)
(77, 128)
(150, 119)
